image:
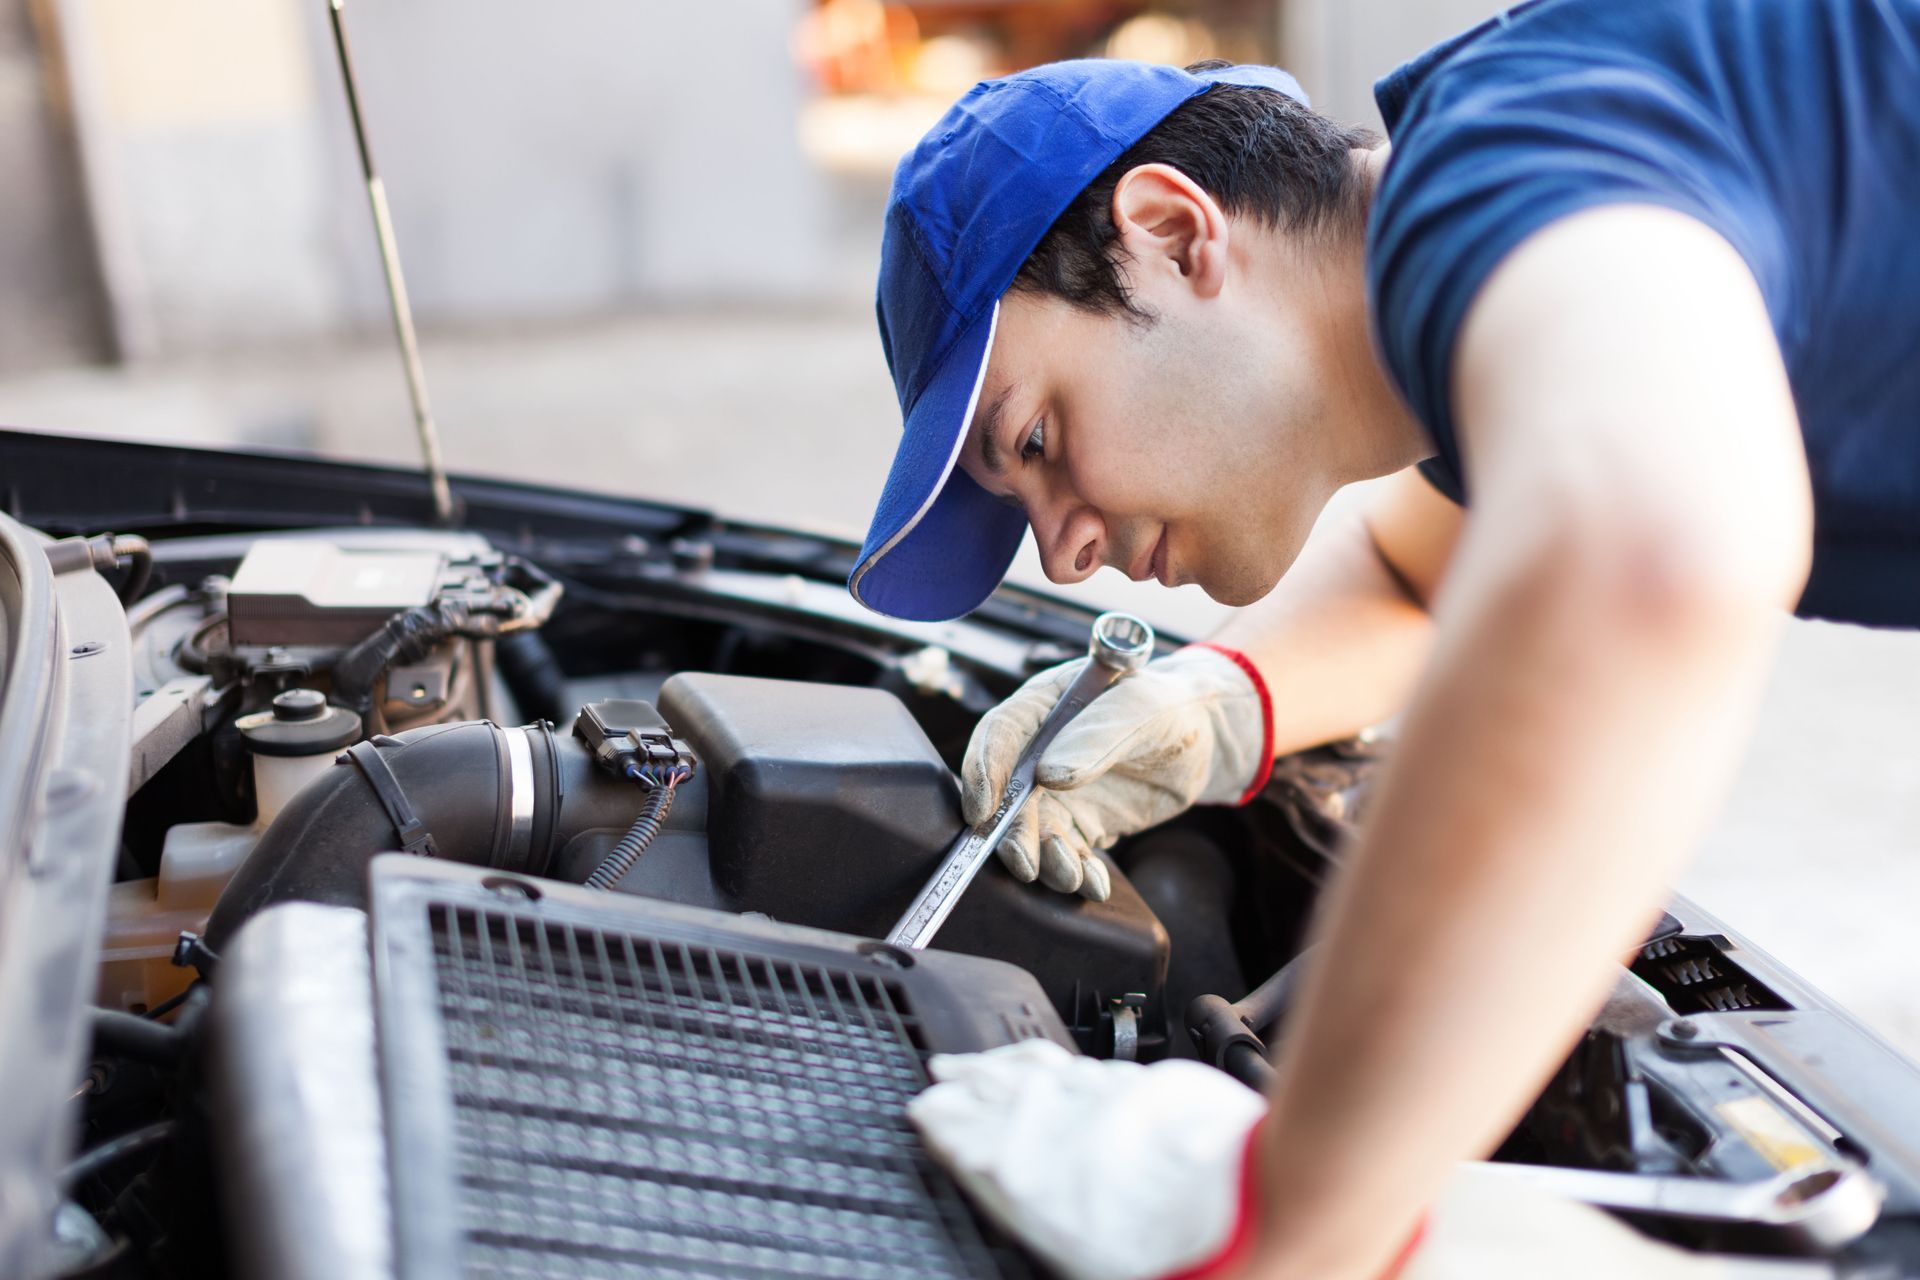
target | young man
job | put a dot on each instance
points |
(1629, 309)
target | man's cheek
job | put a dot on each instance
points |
(1120, 489)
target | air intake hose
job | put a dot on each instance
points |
(493, 797)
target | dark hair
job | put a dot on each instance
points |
(1257, 151)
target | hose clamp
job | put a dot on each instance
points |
(520, 796)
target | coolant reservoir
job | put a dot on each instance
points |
(292, 742)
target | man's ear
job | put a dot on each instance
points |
(1166, 223)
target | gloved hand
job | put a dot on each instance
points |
(1196, 727)
(1118, 1171)
(1109, 1170)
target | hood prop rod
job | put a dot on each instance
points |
(396, 283)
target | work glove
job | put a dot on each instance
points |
(1108, 1170)
(1118, 1171)
(1196, 727)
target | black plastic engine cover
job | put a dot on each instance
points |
(829, 807)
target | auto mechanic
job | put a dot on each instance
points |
(1627, 306)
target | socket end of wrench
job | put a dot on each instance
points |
(1121, 642)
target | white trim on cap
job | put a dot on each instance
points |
(953, 458)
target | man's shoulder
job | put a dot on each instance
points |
(1550, 110)
(1393, 91)
(1516, 50)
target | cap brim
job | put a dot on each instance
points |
(939, 543)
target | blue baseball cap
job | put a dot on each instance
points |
(969, 204)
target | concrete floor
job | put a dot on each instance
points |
(789, 417)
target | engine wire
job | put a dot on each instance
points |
(621, 858)
(168, 1005)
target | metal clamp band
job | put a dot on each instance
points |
(520, 799)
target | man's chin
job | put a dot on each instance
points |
(1238, 590)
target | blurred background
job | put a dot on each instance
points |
(640, 238)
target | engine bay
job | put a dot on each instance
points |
(304, 704)
(804, 800)
(677, 725)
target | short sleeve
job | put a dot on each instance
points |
(1495, 147)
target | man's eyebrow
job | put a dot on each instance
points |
(987, 425)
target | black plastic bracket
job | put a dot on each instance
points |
(190, 951)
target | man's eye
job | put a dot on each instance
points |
(1035, 445)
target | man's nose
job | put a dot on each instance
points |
(1071, 542)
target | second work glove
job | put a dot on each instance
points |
(1120, 1171)
(1195, 727)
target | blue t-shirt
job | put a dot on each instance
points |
(1791, 127)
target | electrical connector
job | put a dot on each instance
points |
(628, 738)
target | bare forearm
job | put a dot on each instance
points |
(1340, 642)
(1642, 511)
(1544, 788)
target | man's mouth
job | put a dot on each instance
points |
(1149, 564)
(1158, 565)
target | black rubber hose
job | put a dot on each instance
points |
(1267, 1003)
(533, 675)
(114, 1151)
(1249, 1066)
(409, 636)
(317, 849)
(168, 1005)
(622, 856)
(458, 780)
(193, 650)
(139, 556)
(1216, 1028)
(102, 553)
(1228, 1035)
(127, 1035)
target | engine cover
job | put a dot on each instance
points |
(828, 806)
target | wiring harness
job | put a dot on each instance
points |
(653, 815)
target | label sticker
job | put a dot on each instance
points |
(1776, 1135)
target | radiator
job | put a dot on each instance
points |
(581, 1084)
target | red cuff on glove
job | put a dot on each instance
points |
(1407, 1250)
(1240, 1239)
(1245, 663)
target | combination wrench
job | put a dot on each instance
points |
(1120, 646)
(1818, 1208)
